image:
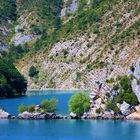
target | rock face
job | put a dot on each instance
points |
(22, 39)
(125, 108)
(37, 115)
(135, 115)
(4, 114)
(136, 88)
(70, 9)
(73, 116)
(2, 47)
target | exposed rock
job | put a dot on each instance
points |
(22, 39)
(108, 115)
(70, 9)
(38, 115)
(125, 108)
(73, 6)
(137, 69)
(135, 115)
(3, 47)
(136, 88)
(4, 114)
(73, 116)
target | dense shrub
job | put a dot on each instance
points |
(49, 105)
(78, 76)
(33, 71)
(12, 83)
(8, 10)
(111, 105)
(22, 108)
(31, 108)
(126, 94)
(79, 103)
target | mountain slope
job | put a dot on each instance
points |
(94, 41)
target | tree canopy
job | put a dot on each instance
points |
(79, 103)
(12, 83)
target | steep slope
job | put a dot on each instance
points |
(97, 41)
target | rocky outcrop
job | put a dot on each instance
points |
(70, 9)
(3, 47)
(22, 39)
(37, 115)
(4, 114)
(74, 116)
(136, 88)
(125, 108)
(135, 115)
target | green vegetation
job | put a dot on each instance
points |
(111, 105)
(31, 108)
(79, 103)
(46, 106)
(7, 10)
(78, 76)
(96, 64)
(98, 110)
(12, 83)
(33, 71)
(16, 52)
(22, 108)
(111, 80)
(126, 94)
(49, 105)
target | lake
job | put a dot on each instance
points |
(62, 129)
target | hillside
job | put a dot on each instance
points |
(72, 43)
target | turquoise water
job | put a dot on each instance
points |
(62, 129)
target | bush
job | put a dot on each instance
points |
(125, 82)
(33, 71)
(111, 105)
(22, 108)
(98, 110)
(12, 83)
(49, 105)
(31, 108)
(79, 103)
(78, 76)
(116, 87)
(126, 94)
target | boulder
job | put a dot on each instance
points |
(125, 108)
(28, 115)
(135, 115)
(92, 95)
(136, 88)
(108, 115)
(73, 116)
(4, 114)
(40, 115)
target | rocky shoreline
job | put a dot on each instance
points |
(44, 116)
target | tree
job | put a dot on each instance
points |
(79, 103)
(12, 83)
(22, 108)
(31, 108)
(111, 105)
(126, 93)
(49, 105)
(33, 71)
